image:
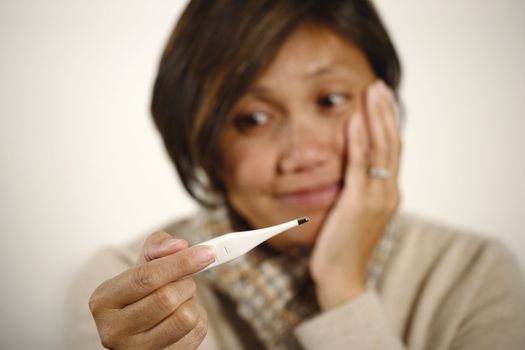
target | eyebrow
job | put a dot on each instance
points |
(265, 94)
(318, 72)
(329, 68)
(258, 91)
(323, 70)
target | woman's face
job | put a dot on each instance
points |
(283, 146)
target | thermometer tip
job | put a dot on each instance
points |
(302, 220)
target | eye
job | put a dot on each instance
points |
(332, 100)
(247, 122)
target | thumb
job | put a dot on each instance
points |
(160, 244)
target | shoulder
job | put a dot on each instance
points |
(463, 286)
(454, 266)
(115, 258)
(111, 260)
(203, 225)
(431, 241)
(437, 259)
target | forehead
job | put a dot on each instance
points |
(312, 51)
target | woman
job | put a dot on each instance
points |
(273, 110)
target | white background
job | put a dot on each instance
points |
(82, 166)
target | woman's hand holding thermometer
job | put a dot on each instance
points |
(153, 304)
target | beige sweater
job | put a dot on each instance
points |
(440, 290)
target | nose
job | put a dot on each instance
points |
(302, 147)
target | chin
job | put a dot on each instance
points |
(301, 236)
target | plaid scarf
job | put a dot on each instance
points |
(273, 292)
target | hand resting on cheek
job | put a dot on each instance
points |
(366, 204)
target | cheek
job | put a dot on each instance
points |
(334, 137)
(248, 171)
(340, 136)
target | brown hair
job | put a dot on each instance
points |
(219, 47)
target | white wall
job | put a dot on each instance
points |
(82, 166)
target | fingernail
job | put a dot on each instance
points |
(169, 243)
(205, 255)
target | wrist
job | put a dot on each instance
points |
(334, 289)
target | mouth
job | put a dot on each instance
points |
(318, 196)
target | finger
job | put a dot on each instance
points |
(357, 152)
(390, 109)
(174, 327)
(376, 128)
(381, 190)
(152, 309)
(393, 105)
(194, 338)
(160, 244)
(139, 281)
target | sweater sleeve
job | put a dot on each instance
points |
(495, 318)
(358, 324)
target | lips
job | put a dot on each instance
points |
(318, 196)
